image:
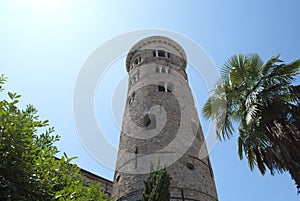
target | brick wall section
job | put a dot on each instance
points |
(106, 184)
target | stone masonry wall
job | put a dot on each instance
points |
(161, 123)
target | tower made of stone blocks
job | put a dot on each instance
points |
(161, 126)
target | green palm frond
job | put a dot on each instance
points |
(269, 64)
(217, 108)
(294, 92)
(259, 160)
(261, 98)
(255, 63)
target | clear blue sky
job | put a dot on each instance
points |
(44, 43)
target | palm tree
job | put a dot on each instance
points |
(260, 97)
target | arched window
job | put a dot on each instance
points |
(154, 53)
(136, 61)
(165, 87)
(161, 88)
(118, 178)
(167, 54)
(162, 69)
(134, 78)
(168, 70)
(131, 98)
(160, 53)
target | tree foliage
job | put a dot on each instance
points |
(156, 186)
(261, 97)
(28, 167)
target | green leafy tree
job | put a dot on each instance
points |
(156, 186)
(28, 167)
(260, 97)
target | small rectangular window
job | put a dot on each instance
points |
(154, 53)
(167, 54)
(136, 61)
(161, 53)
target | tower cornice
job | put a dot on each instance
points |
(157, 42)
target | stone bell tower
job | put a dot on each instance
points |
(161, 125)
